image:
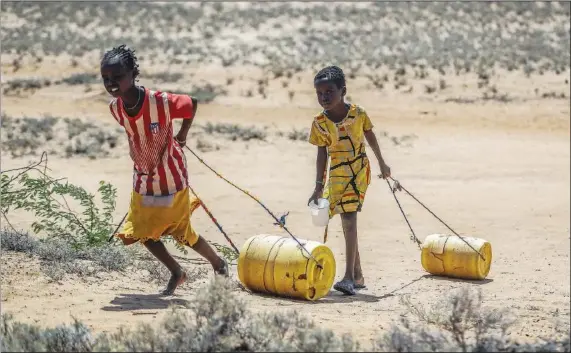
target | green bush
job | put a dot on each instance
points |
(47, 199)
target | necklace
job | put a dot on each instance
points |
(138, 100)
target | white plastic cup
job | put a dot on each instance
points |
(320, 212)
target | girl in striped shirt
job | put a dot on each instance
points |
(160, 200)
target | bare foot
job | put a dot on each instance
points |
(223, 270)
(175, 281)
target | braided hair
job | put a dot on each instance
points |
(331, 73)
(126, 56)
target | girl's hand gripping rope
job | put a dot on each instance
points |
(385, 170)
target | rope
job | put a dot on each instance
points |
(214, 220)
(432, 213)
(259, 202)
(117, 229)
(413, 237)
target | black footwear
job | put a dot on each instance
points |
(345, 286)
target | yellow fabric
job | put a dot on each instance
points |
(349, 170)
(145, 222)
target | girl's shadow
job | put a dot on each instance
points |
(131, 302)
(337, 297)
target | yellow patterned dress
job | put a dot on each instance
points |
(349, 169)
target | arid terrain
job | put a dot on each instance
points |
(470, 104)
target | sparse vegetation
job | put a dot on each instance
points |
(403, 140)
(204, 146)
(20, 86)
(204, 94)
(461, 38)
(298, 135)
(25, 136)
(217, 320)
(165, 76)
(81, 79)
(236, 132)
(58, 257)
(460, 323)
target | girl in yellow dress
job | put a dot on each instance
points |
(339, 132)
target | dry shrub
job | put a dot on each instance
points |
(59, 258)
(218, 320)
(459, 323)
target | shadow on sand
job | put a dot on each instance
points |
(337, 297)
(131, 302)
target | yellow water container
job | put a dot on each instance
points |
(448, 255)
(278, 265)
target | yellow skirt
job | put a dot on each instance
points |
(347, 185)
(151, 217)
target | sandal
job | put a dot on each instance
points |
(345, 286)
(360, 286)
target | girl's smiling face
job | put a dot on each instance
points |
(117, 79)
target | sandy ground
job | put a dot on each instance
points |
(498, 171)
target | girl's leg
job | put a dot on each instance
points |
(178, 276)
(206, 251)
(358, 271)
(349, 222)
(347, 284)
(358, 279)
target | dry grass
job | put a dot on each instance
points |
(31, 136)
(217, 320)
(58, 258)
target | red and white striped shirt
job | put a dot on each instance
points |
(160, 165)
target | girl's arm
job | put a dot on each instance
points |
(372, 140)
(320, 166)
(186, 124)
